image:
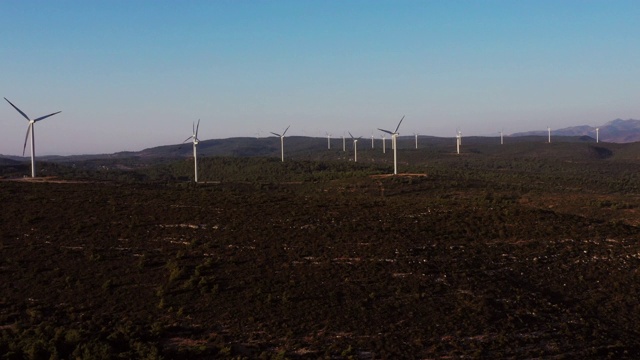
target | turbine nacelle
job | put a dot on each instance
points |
(353, 138)
(285, 131)
(194, 137)
(395, 133)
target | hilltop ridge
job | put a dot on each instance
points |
(616, 131)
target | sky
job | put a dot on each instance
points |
(129, 75)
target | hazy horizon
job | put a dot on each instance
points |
(134, 75)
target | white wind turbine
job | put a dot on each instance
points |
(344, 144)
(549, 130)
(502, 137)
(282, 142)
(195, 140)
(355, 147)
(416, 135)
(384, 144)
(458, 140)
(328, 141)
(597, 135)
(394, 136)
(372, 140)
(31, 129)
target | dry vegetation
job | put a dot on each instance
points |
(488, 258)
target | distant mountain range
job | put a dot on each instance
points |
(615, 131)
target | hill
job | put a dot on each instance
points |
(9, 162)
(617, 131)
(171, 162)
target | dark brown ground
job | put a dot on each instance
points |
(395, 267)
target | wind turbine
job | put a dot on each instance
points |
(502, 137)
(394, 135)
(597, 135)
(384, 144)
(195, 140)
(549, 130)
(31, 129)
(416, 135)
(372, 140)
(282, 142)
(458, 140)
(355, 147)
(344, 144)
(328, 141)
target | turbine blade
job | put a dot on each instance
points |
(46, 116)
(387, 131)
(190, 137)
(276, 134)
(20, 111)
(399, 123)
(24, 148)
(350, 134)
(285, 130)
(197, 127)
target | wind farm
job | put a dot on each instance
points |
(476, 235)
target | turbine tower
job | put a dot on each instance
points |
(549, 130)
(328, 141)
(502, 137)
(394, 136)
(282, 142)
(195, 140)
(384, 144)
(416, 135)
(355, 147)
(372, 140)
(458, 140)
(344, 144)
(31, 130)
(597, 135)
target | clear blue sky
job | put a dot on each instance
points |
(129, 75)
